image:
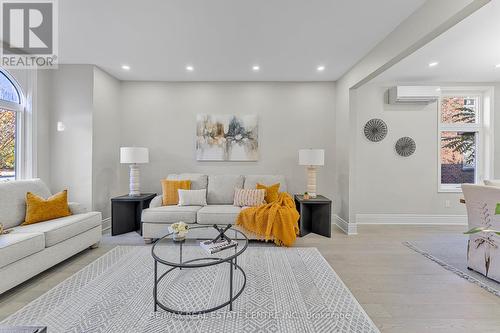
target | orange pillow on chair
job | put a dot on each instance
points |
(39, 209)
(171, 189)
(271, 191)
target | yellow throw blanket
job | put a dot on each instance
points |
(278, 220)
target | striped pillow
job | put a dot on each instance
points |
(248, 197)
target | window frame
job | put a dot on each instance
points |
(482, 128)
(19, 109)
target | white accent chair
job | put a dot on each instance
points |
(31, 249)
(483, 253)
(492, 182)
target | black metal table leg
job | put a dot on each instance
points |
(236, 249)
(235, 258)
(180, 255)
(231, 285)
(155, 285)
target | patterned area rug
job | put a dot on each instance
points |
(287, 290)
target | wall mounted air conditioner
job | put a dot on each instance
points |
(413, 94)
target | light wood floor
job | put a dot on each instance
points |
(401, 290)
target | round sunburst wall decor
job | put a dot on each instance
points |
(375, 130)
(405, 146)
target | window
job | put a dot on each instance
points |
(461, 139)
(8, 92)
(11, 117)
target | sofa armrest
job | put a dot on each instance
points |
(156, 202)
(76, 208)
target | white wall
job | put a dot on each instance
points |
(43, 109)
(389, 184)
(71, 150)
(162, 117)
(105, 141)
(496, 130)
(84, 158)
(101, 114)
(429, 21)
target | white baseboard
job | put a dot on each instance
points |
(106, 224)
(348, 228)
(411, 219)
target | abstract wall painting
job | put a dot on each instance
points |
(227, 137)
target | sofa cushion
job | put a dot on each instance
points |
(193, 197)
(170, 190)
(249, 197)
(77, 208)
(218, 214)
(13, 199)
(271, 191)
(16, 246)
(170, 214)
(268, 180)
(221, 188)
(40, 209)
(59, 230)
(198, 181)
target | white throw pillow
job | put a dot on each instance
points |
(249, 197)
(192, 197)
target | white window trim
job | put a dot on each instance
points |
(11, 106)
(484, 139)
(20, 109)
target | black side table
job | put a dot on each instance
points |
(315, 215)
(126, 213)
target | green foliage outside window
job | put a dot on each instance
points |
(464, 143)
(7, 140)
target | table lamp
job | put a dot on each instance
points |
(311, 158)
(134, 156)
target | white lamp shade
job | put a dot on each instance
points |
(311, 157)
(131, 155)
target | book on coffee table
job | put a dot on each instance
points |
(212, 246)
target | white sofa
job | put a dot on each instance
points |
(29, 250)
(220, 209)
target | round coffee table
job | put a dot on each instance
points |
(169, 252)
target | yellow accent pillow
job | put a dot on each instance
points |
(171, 189)
(271, 191)
(38, 209)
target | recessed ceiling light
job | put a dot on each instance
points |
(126, 67)
(433, 64)
(256, 68)
(320, 68)
(497, 66)
(189, 68)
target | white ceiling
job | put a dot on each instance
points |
(468, 52)
(222, 39)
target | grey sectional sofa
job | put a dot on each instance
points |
(29, 250)
(220, 209)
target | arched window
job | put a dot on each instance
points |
(11, 119)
